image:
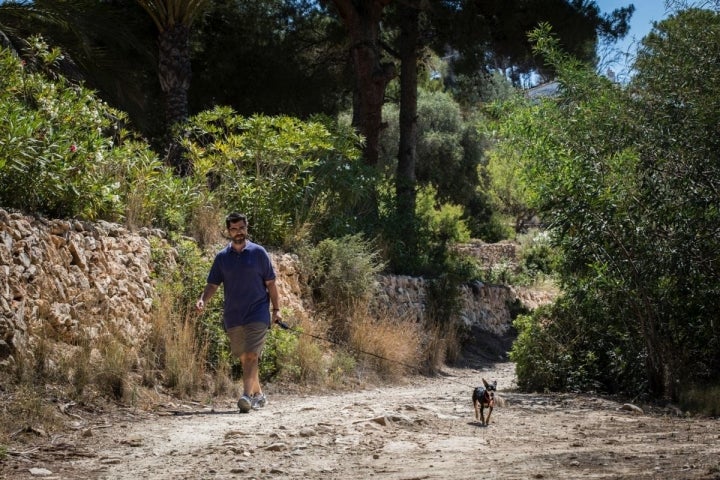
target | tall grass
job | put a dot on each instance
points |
(173, 354)
(390, 345)
(112, 373)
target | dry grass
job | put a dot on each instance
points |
(207, 225)
(26, 410)
(311, 361)
(184, 359)
(222, 383)
(390, 345)
(301, 357)
(434, 352)
(172, 353)
(341, 367)
(137, 215)
(111, 377)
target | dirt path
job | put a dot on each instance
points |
(424, 429)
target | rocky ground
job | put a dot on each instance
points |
(422, 429)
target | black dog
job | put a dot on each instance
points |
(484, 397)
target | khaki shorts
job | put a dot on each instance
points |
(247, 338)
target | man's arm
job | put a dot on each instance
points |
(274, 299)
(207, 294)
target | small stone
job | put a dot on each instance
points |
(632, 408)
(276, 447)
(40, 472)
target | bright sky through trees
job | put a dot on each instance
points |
(646, 12)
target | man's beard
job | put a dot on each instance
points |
(239, 239)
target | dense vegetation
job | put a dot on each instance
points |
(627, 179)
(624, 177)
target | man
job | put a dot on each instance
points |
(245, 270)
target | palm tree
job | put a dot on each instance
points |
(173, 19)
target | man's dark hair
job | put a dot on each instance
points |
(234, 218)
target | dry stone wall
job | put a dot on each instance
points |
(483, 305)
(74, 281)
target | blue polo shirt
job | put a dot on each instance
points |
(243, 276)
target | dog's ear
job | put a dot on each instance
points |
(485, 382)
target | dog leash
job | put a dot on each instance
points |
(415, 368)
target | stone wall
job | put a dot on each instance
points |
(72, 279)
(483, 305)
(76, 280)
(490, 254)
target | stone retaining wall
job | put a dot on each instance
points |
(483, 305)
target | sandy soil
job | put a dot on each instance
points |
(423, 429)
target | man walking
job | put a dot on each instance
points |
(246, 272)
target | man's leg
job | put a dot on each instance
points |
(251, 373)
(246, 343)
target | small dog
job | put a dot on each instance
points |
(484, 397)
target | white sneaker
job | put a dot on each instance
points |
(245, 404)
(259, 400)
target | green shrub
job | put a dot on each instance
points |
(341, 273)
(279, 355)
(54, 138)
(566, 346)
(704, 399)
(438, 226)
(65, 153)
(269, 168)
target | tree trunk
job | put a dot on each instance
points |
(405, 182)
(174, 73)
(362, 20)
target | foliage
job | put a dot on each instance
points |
(449, 152)
(108, 46)
(444, 305)
(54, 139)
(508, 186)
(473, 91)
(633, 208)
(279, 355)
(539, 258)
(277, 44)
(341, 274)
(344, 187)
(440, 229)
(65, 153)
(570, 346)
(267, 168)
(438, 226)
(493, 35)
(187, 281)
(704, 399)
(677, 96)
